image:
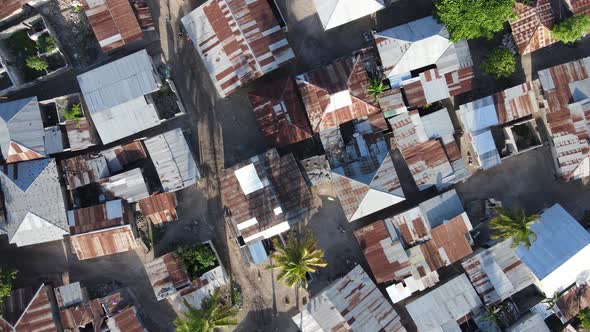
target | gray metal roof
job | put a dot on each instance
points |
(22, 124)
(115, 96)
(129, 185)
(173, 159)
(442, 207)
(478, 115)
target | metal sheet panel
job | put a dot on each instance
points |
(103, 243)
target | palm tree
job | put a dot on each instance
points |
(514, 224)
(376, 87)
(296, 258)
(212, 315)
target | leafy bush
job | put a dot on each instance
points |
(499, 63)
(73, 112)
(236, 295)
(375, 88)
(46, 43)
(584, 317)
(36, 63)
(6, 278)
(572, 28)
(470, 19)
(197, 259)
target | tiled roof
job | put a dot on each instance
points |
(159, 208)
(280, 112)
(21, 130)
(532, 28)
(167, 275)
(113, 22)
(103, 242)
(238, 41)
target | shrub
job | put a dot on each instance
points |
(36, 63)
(46, 43)
(499, 63)
(197, 259)
(572, 28)
(584, 317)
(6, 278)
(73, 112)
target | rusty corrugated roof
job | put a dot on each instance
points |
(103, 242)
(517, 102)
(532, 28)
(38, 315)
(159, 208)
(167, 275)
(113, 22)
(81, 315)
(573, 301)
(81, 170)
(579, 6)
(80, 134)
(9, 7)
(125, 321)
(98, 217)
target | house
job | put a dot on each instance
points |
(104, 242)
(566, 121)
(70, 295)
(200, 289)
(529, 322)
(497, 273)
(338, 93)
(28, 310)
(578, 6)
(122, 98)
(110, 214)
(33, 202)
(129, 185)
(22, 132)
(531, 28)
(280, 112)
(114, 23)
(572, 301)
(335, 13)
(125, 320)
(428, 145)
(447, 307)
(173, 160)
(124, 156)
(11, 8)
(84, 169)
(159, 208)
(362, 171)
(559, 255)
(419, 58)
(409, 248)
(167, 275)
(238, 41)
(262, 197)
(351, 303)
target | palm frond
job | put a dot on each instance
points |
(515, 225)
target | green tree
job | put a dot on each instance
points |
(46, 43)
(35, 62)
(572, 28)
(376, 87)
(296, 258)
(499, 63)
(515, 225)
(73, 112)
(7, 276)
(584, 317)
(470, 19)
(197, 259)
(212, 315)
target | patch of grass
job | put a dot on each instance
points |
(197, 259)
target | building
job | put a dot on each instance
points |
(497, 273)
(529, 322)
(33, 202)
(124, 156)
(129, 185)
(572, 301)
(173, 160)
(238, 41)
(335, 13)
(110, 214)
(532, 27)
(447, 307)
(28, 310)
(11, 8)
(121, 97)
(578, 6)
(167, 275)
(428, 145)
(364, 177)
(410, 51)
(22, 131)
(409, 248)
(559, 255)
(280, 113)
(565, 121)
(159, 208)
(263, 196)
(125, 320)
(352, 303)
(105, 242)
(114, 23)
(85, 169)
(337, 93)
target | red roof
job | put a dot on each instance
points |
(39, 315)
(159, 208)
(532, 28)
(280, 112)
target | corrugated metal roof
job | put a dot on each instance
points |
(572, 302)
(159, 208)
(352, 303)
(80, 134)
(518, 102)
(201, 288)
(486, 150)
(54, 140)
(558, 255)
(529, 323)
(173, 160)
(478, 115)
(113, 22)
(333, 13)
(497, 273)
(119, 157)
(103, 242)
(69, 295)
(15, 304)
(280, 112)
(38, 316)
(392, 103)
(82, 315)
(84, 169)
(115, 96)
(442, 207)
(429, 165)
(21, 130)
(9, 7)
(130, 186)
(532, 27)
(579, 6)
(448, 305)
(125, 321)
(112, 213)
(238, 41)
(167, 275)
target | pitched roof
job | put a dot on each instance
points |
(21, 130)
(518, 102)
(80, 134)
(263, 193)
(9, 7)
(113, 22)
(34, 202)
(125, 321)
(238, 41)
(579, 6)
(280, 112)
(103, 242)
(34, 313)
(159, 208)
(173, 160)
(129, 185)
(352, 303)
(112, 213)
(337, 93)
(119, 157)
(532, 28)
(82, 315)
(84, 169)
(115, 96)
(333, 13)
(167, 275)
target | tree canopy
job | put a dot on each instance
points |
(470, 19)
(6, 278)
(572, 28)
(499, 63)
(197, 259)
(212, 315)
(515, 225)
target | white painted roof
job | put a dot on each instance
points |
(248, 179)
(333, 13)
(374, 201)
